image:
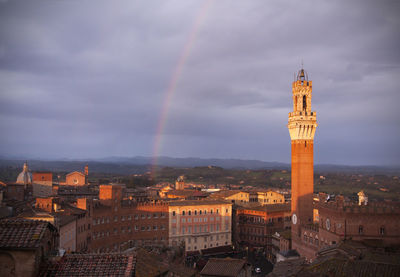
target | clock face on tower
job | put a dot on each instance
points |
(328, 224)
(294, 219)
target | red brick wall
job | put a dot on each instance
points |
(75, 179)
(119, 227)
(45, 204)
(108, 192)
(42, 177)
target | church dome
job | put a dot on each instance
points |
(25, 177)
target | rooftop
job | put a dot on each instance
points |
(223, 267)
(91, 265)
(197, 202)
(268, 208)
(22, 233)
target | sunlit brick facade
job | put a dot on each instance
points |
(120, 224)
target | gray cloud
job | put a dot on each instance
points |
(89, 78)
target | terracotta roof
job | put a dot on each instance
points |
(65, 219)
(150, 264)
(217, 250)
(345, 267)
(22, 233)
(226, 193)
(223, 267)
(91, 265)
(74, 172)
(197, 202)
(288, 268)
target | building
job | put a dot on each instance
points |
(268, 197)
(348, 258)
(180, 183)
(42, 184)
(75, 178)
(281, 244)
(91, 265)
(234, 196)
(226, 267)
(23, 246)
(78, 178)
(256, 225)
(200, 224)
(302, 125)
(119, 224)
(25, 177)
(343, 220)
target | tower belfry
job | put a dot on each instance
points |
(302, 124)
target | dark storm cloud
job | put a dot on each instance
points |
(89, 78)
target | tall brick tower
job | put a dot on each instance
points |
(302, 125)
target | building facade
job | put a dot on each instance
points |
(256, 225)
(200, 224)
(120, 224)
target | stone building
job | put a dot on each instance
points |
(200, 224)
(23, 246)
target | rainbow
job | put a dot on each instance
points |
(174, 82)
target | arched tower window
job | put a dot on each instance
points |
(304, 103)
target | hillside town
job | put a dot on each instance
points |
(67, 226)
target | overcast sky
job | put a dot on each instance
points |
(89, 79)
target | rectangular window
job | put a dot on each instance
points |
(183, 220)
(189, 230)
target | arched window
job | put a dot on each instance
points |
(183, 212)
(360, 229)
(382, 230)
(304, 102)
(190, 212)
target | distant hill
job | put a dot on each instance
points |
(139, 165)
